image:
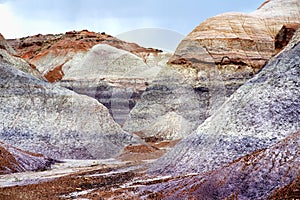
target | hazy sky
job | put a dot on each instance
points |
(20, 18)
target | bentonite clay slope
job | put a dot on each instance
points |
(170, 108)
(7, 54)
(95, 64)
(113, 76)
(43, 118)
(262, 111)
(210, 63)
(15, 160)
(50, 52)
(254, 176)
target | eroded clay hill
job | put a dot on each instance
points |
(114, 77)
(215, 59)
(50, 52)
(95, 64)
(39, 117)
(237, 43)
(266, 109)
(44, 118)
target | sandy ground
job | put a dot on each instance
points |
(117, 178)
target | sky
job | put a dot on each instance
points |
(19, 18)
(159, 24)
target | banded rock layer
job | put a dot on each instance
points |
(239, 44)
(170, 108)
(95, 64)
(215, 59)
(261, 112)
(237, 39)
(114, 77)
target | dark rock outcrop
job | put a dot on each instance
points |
(284, 36)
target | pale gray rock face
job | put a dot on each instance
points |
(18, 63)
(175, 96)
(5, 46)
(261, 112)
(44, 118)
(116, 78)
(7, 55)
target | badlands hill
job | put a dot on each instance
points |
(230, 95)
(49, 53)
(44, 118)
(95, 64)
(264, 110)
(209, 65)
(114, 77)
(270, 173)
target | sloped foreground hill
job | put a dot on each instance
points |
(267, 173)
(261, 112)
(43, 118)
(54, 121)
